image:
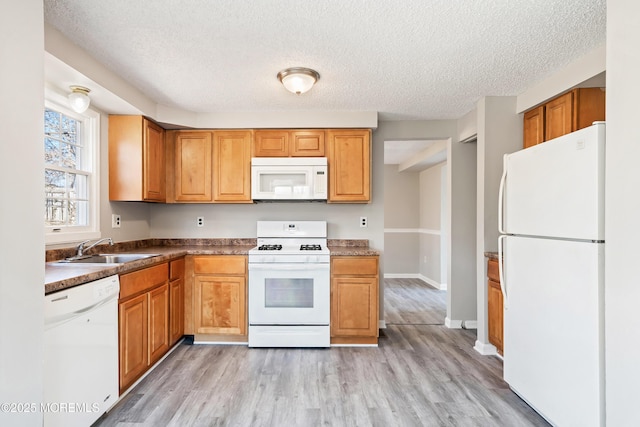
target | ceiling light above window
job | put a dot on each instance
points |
(298, 79)
(79, 98)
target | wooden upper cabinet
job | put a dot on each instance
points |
(349, 161)
(307, 143)
(271, 143)
(558, 116)
(193, 166)
(534, 127)
(289, 143)
(232, 166)
(136, 159)
(567, 113)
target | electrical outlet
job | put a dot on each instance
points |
(115, 221)
(200, 221)
(363, 222)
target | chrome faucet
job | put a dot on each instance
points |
(80, 249)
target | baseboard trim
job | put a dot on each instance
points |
(485, 349)
(382, 324)
(470, 324)
(401, 276)
(435, 284)
(452, 324)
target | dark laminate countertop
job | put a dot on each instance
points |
(59, 276)
(491, 255)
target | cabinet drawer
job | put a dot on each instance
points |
(176, 269)
(492, 270)
(354, 266)
(143, 280)
(222, 264)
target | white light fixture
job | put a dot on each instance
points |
(79, 98)
(298, 80)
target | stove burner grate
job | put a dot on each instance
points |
(270, 247)
(310, 247)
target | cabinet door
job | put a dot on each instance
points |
(193, 167)
(232, 166)
(589, 106)
(271, 143)
(354, 302)
(533, 127)
(132, 339)
(158, 322)
(349, 165)
(307, 143)
(220, 305)
(559, 116)
(154, 176)
(495, 314)
(176, 300)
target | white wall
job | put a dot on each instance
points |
(401, 222)
(21, 210)
(431, 217)
(461, 233)
(622, 213)
(499, 132)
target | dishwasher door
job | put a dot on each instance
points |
(81, 353)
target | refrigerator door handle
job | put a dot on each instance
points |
(503, 180)
(503, 285)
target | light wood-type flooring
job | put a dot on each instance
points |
(422, 374)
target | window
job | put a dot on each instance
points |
(70, 172)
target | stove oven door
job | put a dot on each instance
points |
(289, 294)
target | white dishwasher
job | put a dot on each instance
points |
(81, 353)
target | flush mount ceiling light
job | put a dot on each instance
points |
(298, 79)
(79, 98)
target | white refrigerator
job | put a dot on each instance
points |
(551, 220)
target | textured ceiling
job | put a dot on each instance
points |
(411, 59)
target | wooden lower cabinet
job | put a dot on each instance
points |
(176, 300)
(158, 322)
(354, 300)
(146, 313)
(133, 339)
(495, 309)
(220, 295)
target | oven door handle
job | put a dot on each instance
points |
(289, 267)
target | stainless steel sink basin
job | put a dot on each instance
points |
(106, 258)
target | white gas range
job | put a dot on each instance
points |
(289, 285)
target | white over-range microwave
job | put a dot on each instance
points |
(289, 178)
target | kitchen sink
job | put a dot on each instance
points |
(106, 258)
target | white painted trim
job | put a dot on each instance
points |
(470, 324)
(402, 276)
(382, 324)
(485, 349)
(435, 284)
(413, 230)
(452, 324)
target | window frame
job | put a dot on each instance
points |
(90, 123)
